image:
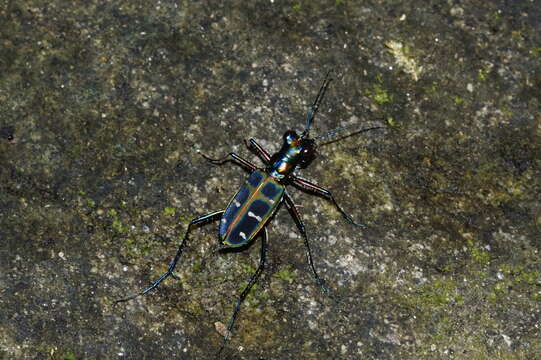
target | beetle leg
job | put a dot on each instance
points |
(304, 184)
(236, 158)
(253, 280)
(300, 225)
(253, 146)
(169, 272)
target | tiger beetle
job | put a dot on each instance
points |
(258, 199)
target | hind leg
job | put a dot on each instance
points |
(211, 216)
(253, 280)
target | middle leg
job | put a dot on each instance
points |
(300, 225)
(304, 184)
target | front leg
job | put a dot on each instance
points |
(253, 146)
(304, 184)
(234, 157)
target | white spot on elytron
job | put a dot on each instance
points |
(237, 204)
(251, 214)
(224, 221)
(271, 201)
(242, 235)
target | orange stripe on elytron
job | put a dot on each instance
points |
(262, 223)
(246, 204)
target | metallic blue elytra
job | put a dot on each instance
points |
(232, 211)
(250, 209)
(255, 178)
(248, 223)
(270, 190)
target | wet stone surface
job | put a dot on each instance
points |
(103, 106)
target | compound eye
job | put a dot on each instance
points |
(290, 136)
(308, 153)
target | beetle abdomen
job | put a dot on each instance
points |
(250, 209)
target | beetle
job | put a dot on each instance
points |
(258, 199)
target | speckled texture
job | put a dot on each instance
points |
(103, 105)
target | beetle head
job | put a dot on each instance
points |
(304, 146)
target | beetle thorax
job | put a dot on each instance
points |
(296, 151)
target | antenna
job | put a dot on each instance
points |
(337, 130)
(315, 106)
